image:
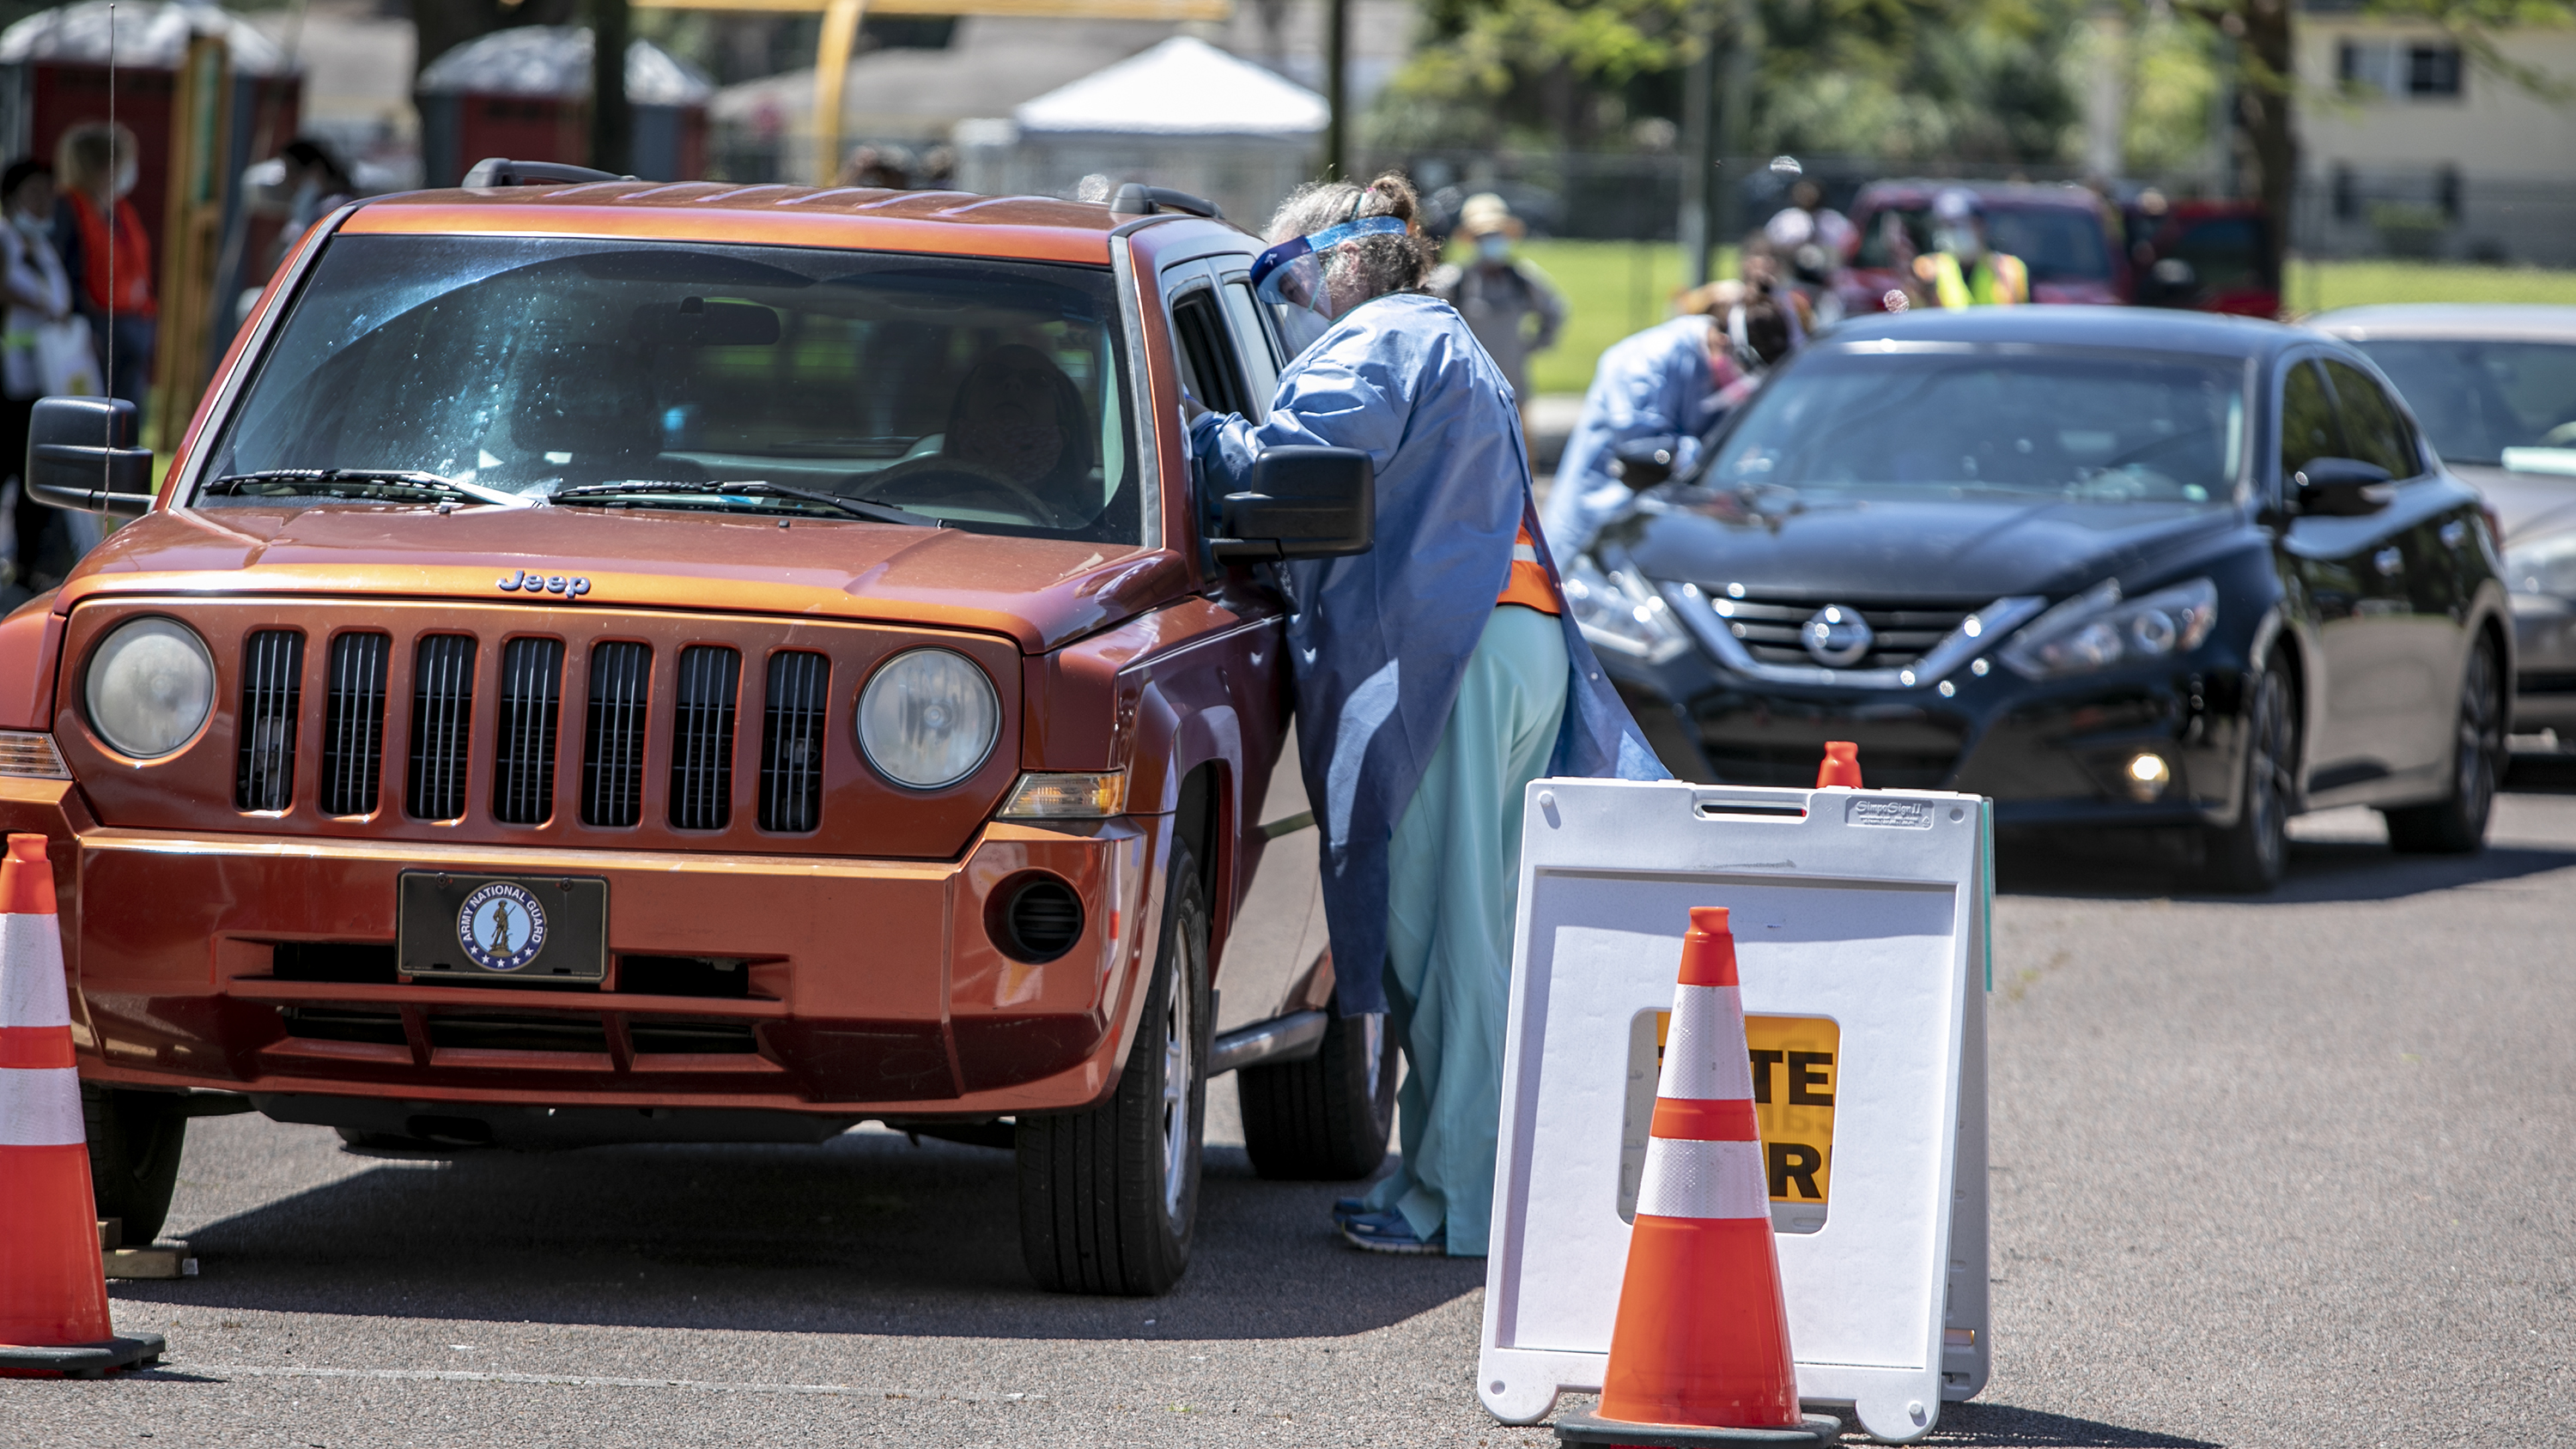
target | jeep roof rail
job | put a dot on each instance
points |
(1137, 199)
(502, 171)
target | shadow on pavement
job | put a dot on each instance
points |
(2143, 864)
(2006, 1427)
(865, 1234)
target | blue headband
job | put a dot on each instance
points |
(1325, 240)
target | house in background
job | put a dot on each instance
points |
(2409, 147)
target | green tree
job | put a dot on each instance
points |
(1904, 79)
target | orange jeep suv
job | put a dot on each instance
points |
(615, 662)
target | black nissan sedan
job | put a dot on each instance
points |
(2109, 567)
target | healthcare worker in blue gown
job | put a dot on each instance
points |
(1436, 676)
(1674, 381)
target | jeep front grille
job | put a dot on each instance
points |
(523, 755)
(612, 759)
(791, 741)
(442, 723)
(702, 738)
(353, 724)
(272, 691)
(592, 728)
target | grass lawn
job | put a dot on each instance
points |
(1615, 288)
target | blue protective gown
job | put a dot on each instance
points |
(1654, 384)
(1379, 641)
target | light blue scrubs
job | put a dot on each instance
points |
(1452, 888)
(1654, 384)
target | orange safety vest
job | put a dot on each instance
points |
(1528, 585)
(133, 258)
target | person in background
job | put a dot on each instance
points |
(1436, 675)
(875, 166)
(38, 293)
(94, 169)
(1961, 271)
(1674, 381)
(1509, 304)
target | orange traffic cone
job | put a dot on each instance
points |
(53, 1290)
(1841, 766)
(1700, 1351)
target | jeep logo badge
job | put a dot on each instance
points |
(570, 588)
(1836, 635)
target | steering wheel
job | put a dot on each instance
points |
(935, 466)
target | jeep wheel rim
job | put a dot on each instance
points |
(1180, 1036)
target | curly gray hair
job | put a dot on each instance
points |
(1372, 266)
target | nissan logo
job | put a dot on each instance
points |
(1837, 636)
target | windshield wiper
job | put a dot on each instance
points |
(233, 483)
(749, 488)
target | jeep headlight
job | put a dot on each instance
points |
(928, 718)
(2546, 565)
(2098, 629)
(151, 685)
(1620, 612)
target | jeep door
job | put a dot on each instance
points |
(1229, 359)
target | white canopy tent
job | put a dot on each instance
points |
(1183, 114)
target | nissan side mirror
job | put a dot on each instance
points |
(2340, 488)
(1303, 503)
(1641, 463)
(81, 454)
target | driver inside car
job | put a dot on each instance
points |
(1019, 422)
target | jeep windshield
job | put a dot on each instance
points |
(913, 390)
(1907, 422)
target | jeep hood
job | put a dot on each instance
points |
(1039, 592)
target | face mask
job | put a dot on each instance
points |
(1493, 246)
(124, 178)
(1959, 241)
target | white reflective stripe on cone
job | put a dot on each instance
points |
(1525, 553)
(40, 1107)
(31, 972)
(1703, 1015)
(1703, 1180)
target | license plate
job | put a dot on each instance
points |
(1796, 1062)
(503, 927)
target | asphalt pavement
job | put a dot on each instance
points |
(2294, 1171)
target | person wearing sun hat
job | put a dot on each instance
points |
(1508, 303)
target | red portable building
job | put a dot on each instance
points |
(524, 93)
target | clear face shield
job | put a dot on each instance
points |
(1291, 278)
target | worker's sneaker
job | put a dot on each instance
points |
(1347, 1208)
(1388, 1232)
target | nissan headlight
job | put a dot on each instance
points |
(1621, 612)
(2098, 629)
(928, 718)
(2546, 565)
(151, 685)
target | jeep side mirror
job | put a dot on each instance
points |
(81, 454)
(1303, 503)
(1641, 463)
(2340, 487)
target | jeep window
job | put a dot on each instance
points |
(987, 395)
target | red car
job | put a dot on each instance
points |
(2063, 234)
(2207, 256)
(619, 662)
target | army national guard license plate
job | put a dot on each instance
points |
(544, 928)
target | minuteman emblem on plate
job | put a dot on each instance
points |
(501, 926)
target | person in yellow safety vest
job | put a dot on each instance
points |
(1961, 271)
